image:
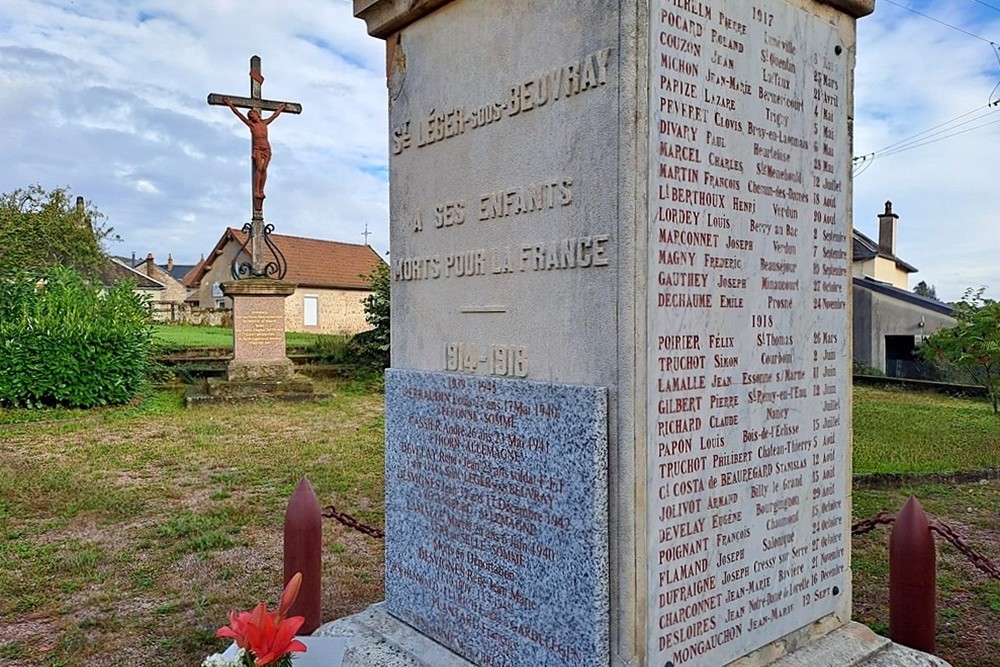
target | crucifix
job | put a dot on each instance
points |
(260, 157)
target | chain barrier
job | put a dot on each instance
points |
(977, 559)
(331, 512)
(867, 525)
(981, 562)
(859, 527)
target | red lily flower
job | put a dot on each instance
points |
(270, 640)
(237, 628)
(267, 635)
(289, 594)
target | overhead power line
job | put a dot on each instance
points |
(949, 128)
(942, 138)
(947, 25)
(986, 4)
(932, 135)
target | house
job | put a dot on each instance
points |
(889, 320)
(331, 279)
(117, 270)
(171, 299)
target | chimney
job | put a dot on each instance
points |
(149, 265)
(170, 262)
(887, 231)
(81, 216)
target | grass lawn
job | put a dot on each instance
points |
(907, 432)
(169, 337)
(131, 532)
(898, 431)
(968, 603)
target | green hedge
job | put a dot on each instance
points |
(66, 342)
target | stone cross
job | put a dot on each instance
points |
(260, 150)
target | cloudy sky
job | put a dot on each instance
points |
(107, 97)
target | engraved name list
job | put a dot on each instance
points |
(747, 289)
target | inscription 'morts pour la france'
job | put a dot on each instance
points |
(747, 149)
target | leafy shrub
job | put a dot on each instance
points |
(373, 345)
(66, 342)
(332, 348)
(860, 368)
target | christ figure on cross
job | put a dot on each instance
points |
(260, 146)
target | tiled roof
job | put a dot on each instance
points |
(116, 271)
(178, 271)
(864, 249)
(193, 276)
(311, 262)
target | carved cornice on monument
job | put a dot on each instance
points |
(385, 17)
(855, 8)
(258, 287)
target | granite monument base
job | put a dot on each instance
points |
(258, 326)
(375, 638)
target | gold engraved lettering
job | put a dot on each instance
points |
(259, 328)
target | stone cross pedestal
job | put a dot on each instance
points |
(259, 369)
(258, 330)
(618, 422)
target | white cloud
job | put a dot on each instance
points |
(108, 98)
(912, 75)
(111, 103)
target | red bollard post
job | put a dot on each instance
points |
(912, 586)
(303, 553)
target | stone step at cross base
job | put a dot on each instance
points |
(293, 389)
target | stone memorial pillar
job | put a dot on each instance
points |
(259, 330)
(618, 418)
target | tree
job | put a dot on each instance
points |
(973, 343)
(923, 289)
(374, 343)
(40, 229)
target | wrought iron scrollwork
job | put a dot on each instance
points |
(275, 268)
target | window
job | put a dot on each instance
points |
(310, 311)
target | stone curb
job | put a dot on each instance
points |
(895, 480)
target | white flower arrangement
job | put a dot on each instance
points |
(229, 658)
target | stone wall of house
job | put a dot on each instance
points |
(881, 268)
(220, 271)
(175, 292)
(185, 313)
(340, 311)
(876, 316)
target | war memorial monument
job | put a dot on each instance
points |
(618, 418)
